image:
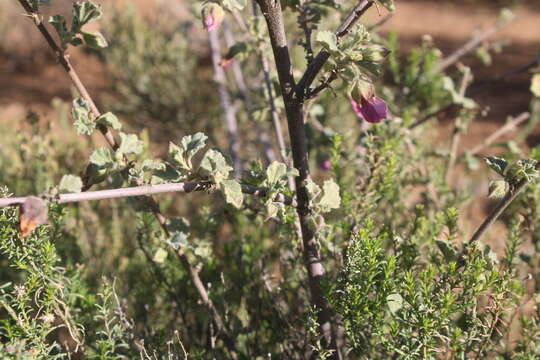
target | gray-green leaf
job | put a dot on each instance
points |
(109, 120)
(331, 198)
(497, 189)
(178, 229)
(215, 166)
(130, 144)
(497, 164)
(395, 302)
(82, 117)
(232, 190)
(95, 40)
(70, 184)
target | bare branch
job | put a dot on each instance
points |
(501, 206)
(510, 126)
(458, 128)
(470, 45)
(262, 136)
(145, 190)
(229, 111)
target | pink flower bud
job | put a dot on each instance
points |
(325, 164)
(212, 16)
(372, 109)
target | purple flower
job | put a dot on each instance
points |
(325, 164)
(372, 109)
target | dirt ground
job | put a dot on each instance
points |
(31, 78)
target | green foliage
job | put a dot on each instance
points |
(84, 12)
(151, 72)
(107, 281)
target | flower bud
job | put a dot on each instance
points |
(212, 16)
(366, 105)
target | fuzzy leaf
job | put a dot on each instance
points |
(59, 24)
(109, 120)
(215, 166)
(102, 157)
(275, 172)
(331, 198)
(82, 117)
(130, 144)
(497, 189)
(395, 303)
(83, 13)
(95, 40)
(497, 164)
(70, 184)
(192, 144)
(179, 232)
(327, 40)
(233, 192)
(313, 189)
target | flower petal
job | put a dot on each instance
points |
(373, 110)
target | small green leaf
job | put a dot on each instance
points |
(82, 117)
(215, 166)
(327, 40)
(497, 164)
(275, 172)
(233, 192)
(70, 184)
(83, 13)
(313, 189)
(102, 157)
(395, 302)
(497, 189)
(192, 144)
(109, 120)
(331, 198)
(95, 40)
(59, 24)
(178, 229)
(130, 144)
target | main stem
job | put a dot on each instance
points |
(294, 112)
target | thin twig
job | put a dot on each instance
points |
(228, 109)
(63, 59)
(146, 190)
(458, 128)
(470, 45)
(246, 97)
(475, 89)
(501, 206)
(512, 125)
